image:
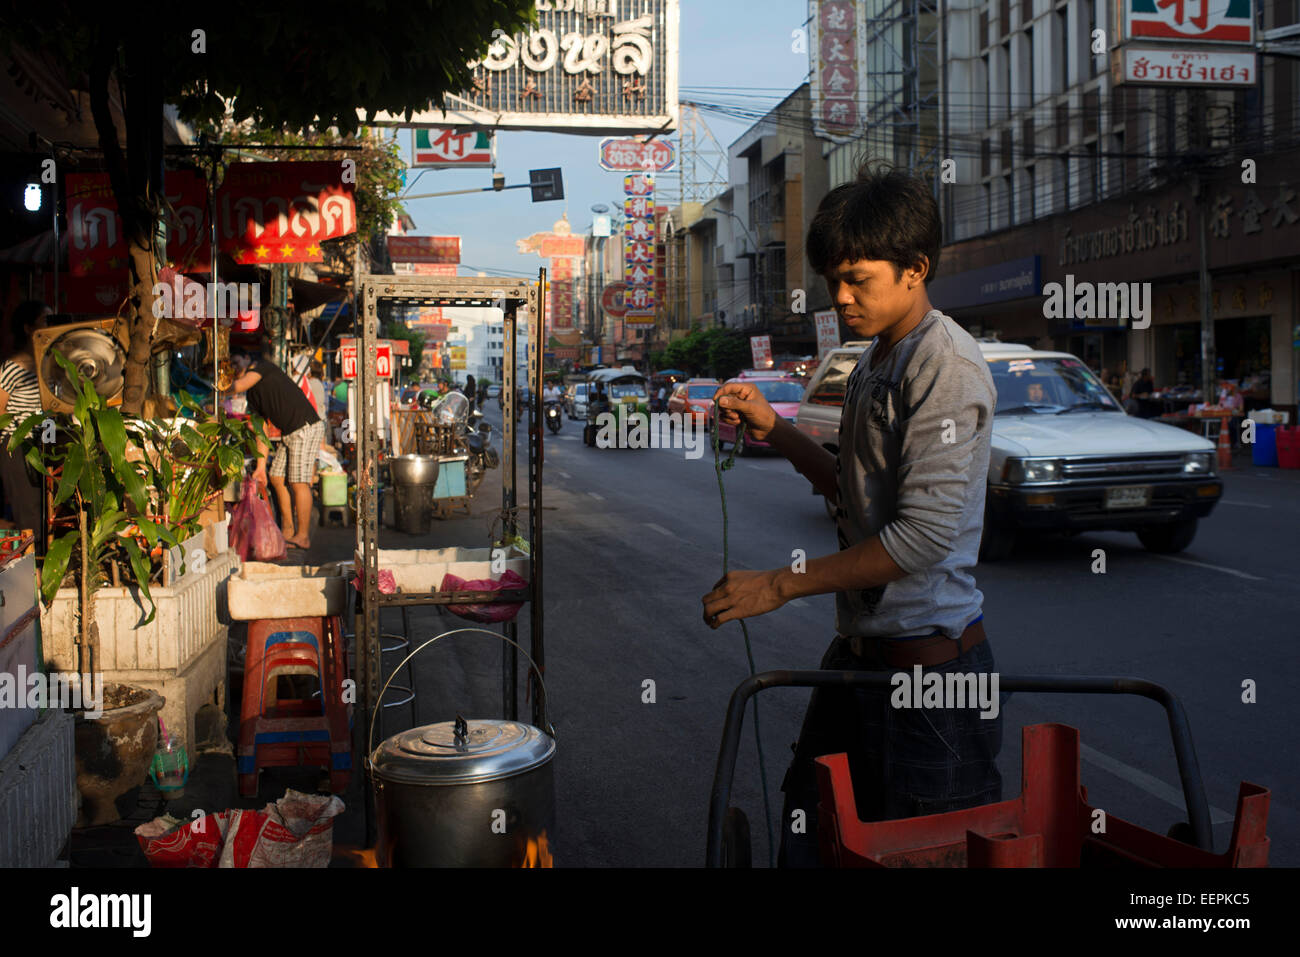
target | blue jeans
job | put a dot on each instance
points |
(904, 762)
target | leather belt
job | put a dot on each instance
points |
(926, 652)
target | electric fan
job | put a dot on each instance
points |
(93, 348)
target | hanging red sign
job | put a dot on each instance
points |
(424, 249)
(282, 212)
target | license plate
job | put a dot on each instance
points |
(1132, 496)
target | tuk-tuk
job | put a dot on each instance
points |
(618, 391)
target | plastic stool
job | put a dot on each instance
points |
(335, 516)
(275, 732)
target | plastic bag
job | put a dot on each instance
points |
(253, 530)
(295, 831)
(485, 613)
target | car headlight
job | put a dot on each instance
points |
(1026, 471)
(1198, 463)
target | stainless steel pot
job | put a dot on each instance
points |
(413, 469)
(476, 793)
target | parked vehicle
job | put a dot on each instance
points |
(782, 392)
(1065, 455)
(694, 400)
(493, 391)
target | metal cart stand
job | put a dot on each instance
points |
(511, 296)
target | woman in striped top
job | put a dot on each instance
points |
(20, 396)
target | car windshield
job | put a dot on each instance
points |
(1048, 385)
(625, 390)
(701, 391)
(830, 390)
(779, 390)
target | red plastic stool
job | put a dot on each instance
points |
(275, 732)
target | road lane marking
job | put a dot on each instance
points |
(567, 438)
(599, 498)
(1146, 782)
(660, 529)
(1224, 501)
(1216, 568)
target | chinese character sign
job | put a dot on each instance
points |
(439, 147)
(1201, 21)
(837, 54)
(638, 248)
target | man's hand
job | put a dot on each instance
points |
(742, 595)
(259, 474)
(737, 401)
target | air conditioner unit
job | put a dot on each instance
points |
(97, 349)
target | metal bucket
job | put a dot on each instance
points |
(464, 793)
(414, 478)
(474, 793)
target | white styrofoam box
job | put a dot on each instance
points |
(263, 590)
(421, 570)
(38, 793)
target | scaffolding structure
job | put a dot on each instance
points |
(904, 68)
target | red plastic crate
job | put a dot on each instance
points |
(1288, 447)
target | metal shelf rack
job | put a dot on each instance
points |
(512, 296)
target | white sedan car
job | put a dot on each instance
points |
(1065, 456)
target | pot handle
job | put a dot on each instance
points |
(370, 738)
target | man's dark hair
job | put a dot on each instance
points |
(884, 214)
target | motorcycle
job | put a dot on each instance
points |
(477, 440)
(554, 420)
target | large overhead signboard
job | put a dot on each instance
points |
(837, 54)
(433, 148)
(587, 66)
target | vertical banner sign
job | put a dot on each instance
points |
(828, 332)
(760, 347)
(838, 57)
(639, 248)
(97, 243)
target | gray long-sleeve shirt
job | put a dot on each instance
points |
(912, 467)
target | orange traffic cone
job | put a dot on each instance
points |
(1225, 443)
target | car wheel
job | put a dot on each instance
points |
(998, 540)
(1167, 539)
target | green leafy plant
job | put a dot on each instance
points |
(134, 481)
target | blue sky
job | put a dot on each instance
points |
(731, 43)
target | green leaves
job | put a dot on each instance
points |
(74, 464)
(140, 566)
(56, 564)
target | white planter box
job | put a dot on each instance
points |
(172, 655)
(263, 590)
(421, 570)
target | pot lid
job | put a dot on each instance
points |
(462, 752)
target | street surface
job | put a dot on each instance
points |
(633, 539)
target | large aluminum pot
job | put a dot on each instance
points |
(413, 469)
(476, 793)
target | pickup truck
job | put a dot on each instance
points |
(1065, 456)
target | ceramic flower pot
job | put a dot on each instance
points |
(114, 751)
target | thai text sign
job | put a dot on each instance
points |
(760, 347)
(828, 332)
(97, 241)
(424, 249)
(438, 147)
(1194, 67)
(282, 212)
(348, 359)
(585, 66)
(657, 156)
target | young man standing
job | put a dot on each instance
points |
(909, 484)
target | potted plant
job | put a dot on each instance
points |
(126, 489)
